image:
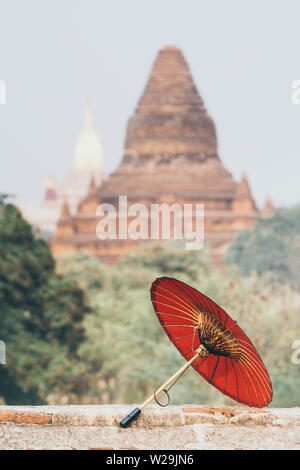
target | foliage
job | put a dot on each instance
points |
(127, 354)
(272, 247)
(106, 345)
(41, 317)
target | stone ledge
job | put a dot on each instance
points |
(152, 416)
(175, 427)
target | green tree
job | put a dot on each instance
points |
(272, 247)
(41, 317)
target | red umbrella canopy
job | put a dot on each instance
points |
(231, 362)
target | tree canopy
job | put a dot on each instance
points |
(41, 315)
(81, 332)
(272, 247)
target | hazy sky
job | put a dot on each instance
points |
(244, 56)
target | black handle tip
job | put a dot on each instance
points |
(134, 414)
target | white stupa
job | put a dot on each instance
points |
(88, 155)
(88, 163)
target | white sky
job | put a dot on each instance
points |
(244, 56)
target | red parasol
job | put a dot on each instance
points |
(211, 342)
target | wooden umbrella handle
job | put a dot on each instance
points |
(134, 414)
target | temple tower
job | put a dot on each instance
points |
(170, 155)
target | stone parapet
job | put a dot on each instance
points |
(176, 427)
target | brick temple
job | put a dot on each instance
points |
(170, 156)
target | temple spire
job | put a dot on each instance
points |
(65, 226)
(243, 188)
(170, 120)
(88, 123)
(92, 186)
(268, 209)
(170, 86)
(65, 211)
(50, 193)
(88, 149)
(243, 200)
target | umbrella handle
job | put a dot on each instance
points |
(134, 414)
